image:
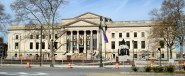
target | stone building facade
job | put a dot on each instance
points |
(82, 38)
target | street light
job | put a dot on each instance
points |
(100, 43)
(159, 48)
(133, 65)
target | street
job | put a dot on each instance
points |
(80, 71)
(47, 71)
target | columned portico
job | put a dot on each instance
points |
(82, 41)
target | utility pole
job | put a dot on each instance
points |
(159, 48)
(41, 46)
(100, 43)
(133, 65)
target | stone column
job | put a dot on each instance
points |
(85, 42)
(91, 41)
(71, 47)
(98, 40)
(77, 41)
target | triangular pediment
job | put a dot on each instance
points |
(81, 23)
(88, 15)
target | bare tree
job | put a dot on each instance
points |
(39, 12)
(167, 20)
(4, 19)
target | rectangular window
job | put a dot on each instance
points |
(113, 35)
(128, 35)
(162, 44)
(16, 45)
(55, 45)
(31, 45)
(128, 44)
(113, 44)
(162, 55)
(135, 34)
(142, 34)
(120, 42)
(135, 44)
(31, 36)
(56, 36)
(120, 35)
(135, 55)
(43, 36)
(43, 45)
(37, 36)
(143, 44)
(16, 36)
(37, 45)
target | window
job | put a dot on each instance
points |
(56, 36)
(128, 44)
(37, 36)
(162, 44)
(120, 42)
(120, 35)
(142, 34)
(135, 55)
(55, 45)
(16, 45)
(16, 36)
(113, 44)
(162, 55)
(37, 45)
(143, 44)
(135, 44)
(113, 35)
(135, 34)
(43, 45)
(31, 45)
(43, 36)
(127, 34)
(31, 36)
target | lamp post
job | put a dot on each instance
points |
(133, 65)
(100, 42)
(159, 48)
(41, 46)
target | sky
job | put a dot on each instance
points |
(117, 10)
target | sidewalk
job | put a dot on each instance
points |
(62, 65)
(134, 74)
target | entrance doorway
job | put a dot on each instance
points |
(81, 50)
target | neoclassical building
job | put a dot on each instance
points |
(82, 39)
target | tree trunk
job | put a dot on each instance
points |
(167, 53)
(181, 49)
(170, 52)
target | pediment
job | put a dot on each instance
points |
(88, 15)
(81, 23)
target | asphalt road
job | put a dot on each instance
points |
(48, 71)
(56, 71)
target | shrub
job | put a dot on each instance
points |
(158, 69)
(135, 69)
(170, 68)
(148, 69)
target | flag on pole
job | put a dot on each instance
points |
(105, 37)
